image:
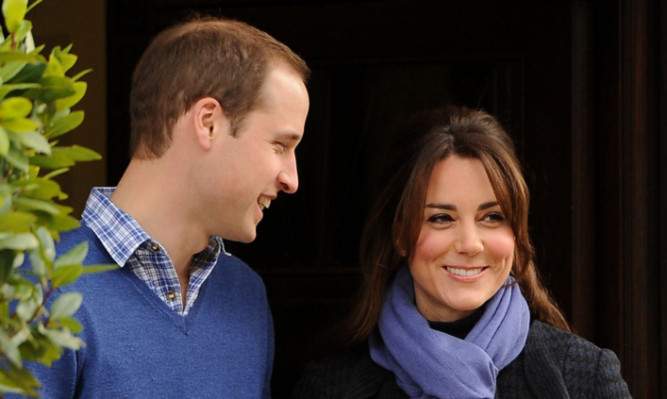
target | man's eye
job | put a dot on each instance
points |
(280, 147)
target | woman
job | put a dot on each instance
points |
(451, 305)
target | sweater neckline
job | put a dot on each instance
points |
(459, 328)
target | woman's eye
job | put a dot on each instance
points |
(495, 217)
(440, 218)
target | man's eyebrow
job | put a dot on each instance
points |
(287, 136)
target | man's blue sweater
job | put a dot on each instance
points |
(136, 347)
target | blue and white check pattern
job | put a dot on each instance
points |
(130, 246)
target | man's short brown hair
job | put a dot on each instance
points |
(224, 59)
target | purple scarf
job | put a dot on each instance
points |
(431, 364)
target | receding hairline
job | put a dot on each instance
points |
(279, 51)
(272, 64)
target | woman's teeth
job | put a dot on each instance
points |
(464, 272)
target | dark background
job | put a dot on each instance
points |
(580, 86)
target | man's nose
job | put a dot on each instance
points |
(288, 178)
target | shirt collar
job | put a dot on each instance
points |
(121, 234)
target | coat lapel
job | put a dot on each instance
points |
(372, 381)
(540, 366)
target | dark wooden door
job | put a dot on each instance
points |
(550, 70)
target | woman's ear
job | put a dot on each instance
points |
(209, 120)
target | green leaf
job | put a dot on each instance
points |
(33, 5)
(20, 125)
(29, 41)
(48, 247)
(38, 265)
(7, 261)
(64, 338)
(64, 275)
(74, 256)
(15, 107)
(5, 89)
(16, 222)
(34, 140)
(66, 305)
(53, 161)
(68, 61)
(63, 223)
(18, 260)
(64, 124)
(62, 157)
(4, 141)
(5, 191)
(63, 209)
(10, 55)
(62, 60)
(52, 88)
(81, 74)
(79, 89)
(6, 45)
(14, 12)
(11, 69)
(29, 204)
(17, 158)
(56, 87)
(39, 188)
(55, 173)
(77, 153)
(18, 380)
(31, 73)
(71, 323)
(9, 348)
(92, 269)
(27, 308)
(42, 349)
(21, 336)
(23, 35)
(21, 241)
(10, 383)
(54, 68)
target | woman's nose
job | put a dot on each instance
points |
(469, 241)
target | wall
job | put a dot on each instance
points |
(82, 23)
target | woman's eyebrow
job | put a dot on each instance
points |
(450, 207)
(446, 207)
(488, 205)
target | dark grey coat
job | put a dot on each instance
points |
(553, 364)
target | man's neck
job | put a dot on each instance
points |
(161, 208)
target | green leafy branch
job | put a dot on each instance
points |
(36, 97)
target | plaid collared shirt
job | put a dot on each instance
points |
(130, 246)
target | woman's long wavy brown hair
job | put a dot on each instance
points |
(395, 219)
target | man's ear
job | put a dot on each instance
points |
(209, 120)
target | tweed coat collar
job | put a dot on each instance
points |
(539, 367)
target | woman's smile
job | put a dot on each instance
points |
(465, 248)
(464, 271)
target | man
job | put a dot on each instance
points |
(217, 109)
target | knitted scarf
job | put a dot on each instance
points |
(431, 364)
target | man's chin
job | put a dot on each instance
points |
(245, 237)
